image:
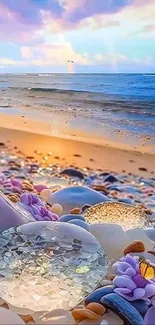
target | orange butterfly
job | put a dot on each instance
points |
(147, 271)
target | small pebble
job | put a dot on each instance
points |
(72, 173)
(80, 223)
(69, 217)
(136, 246)
(40, 187)
(105, 282)
(57, 208)
(45, 194)
(75, 211)
(96, 308)
(83, 313)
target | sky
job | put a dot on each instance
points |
(97, 35)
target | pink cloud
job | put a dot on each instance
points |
(20, 19)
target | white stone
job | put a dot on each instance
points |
(150, 232)
(105, 282)
(75, 197)
(57, 208)
(112, 319)
(57, 316)
(9, 317)
(139, 234)
(97, 321)
(112, 238)
(45, 194)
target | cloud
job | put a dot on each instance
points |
(53, 54)
(26, 52)
(79, 10)
(7, 62)
(20, 20)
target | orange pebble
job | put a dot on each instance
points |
(83, 313)
(75, 211)
(96, 308)
(136, 246)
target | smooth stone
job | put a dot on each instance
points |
(50, 181)
(75, 211)
(80, 223)
(55, 317)
(85, 207)
(136, 246)
(150, 232)
(96, 295)
(40, 187)
(96, 308)
(141, 306)
(112, 238)
(112, 319)
(9, 317)
(80, 314)
(72, 173)
(45, 193)
(75, 197)
(92, 321)
(127, 201)
(69, 217)
(105, 282)
(57, 208)
(11, 214)
(139, 234)
(149, 318)
(110, 179)
(123, 309)
(104, 174)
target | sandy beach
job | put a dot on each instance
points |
(32, 139)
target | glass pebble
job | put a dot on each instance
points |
(59, 274)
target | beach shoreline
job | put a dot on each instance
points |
(49, 149)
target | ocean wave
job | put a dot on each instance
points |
(148, 75)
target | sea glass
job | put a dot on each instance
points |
(49, 265)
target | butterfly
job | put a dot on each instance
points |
(147, 271)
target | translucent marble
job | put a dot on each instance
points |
(51, 181)
(127, 216)
(46, 265)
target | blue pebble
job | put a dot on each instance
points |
(96, 295)
(69, 217)
(127, 201)
(123, 309)
(140, 305)
(80, 223)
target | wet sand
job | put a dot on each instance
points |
(53, 150)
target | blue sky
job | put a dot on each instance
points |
(98, 35)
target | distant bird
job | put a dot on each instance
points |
(70, 65)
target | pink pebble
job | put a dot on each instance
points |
(40, 187)
(15, 182)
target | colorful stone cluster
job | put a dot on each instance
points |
(89, 208)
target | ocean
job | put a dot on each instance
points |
(123, 104)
